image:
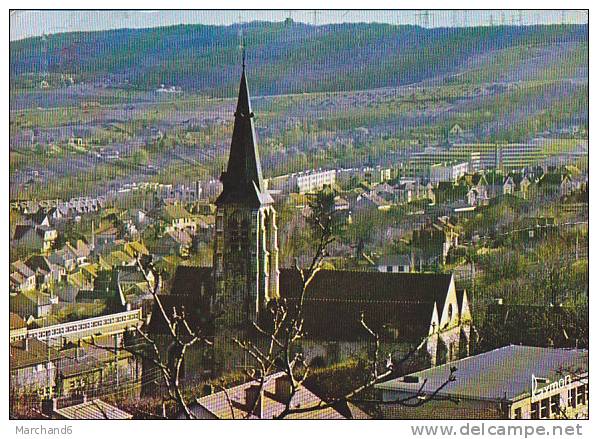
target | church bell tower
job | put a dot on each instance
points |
(246, 243)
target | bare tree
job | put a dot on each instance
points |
(181, 335)
(287, 329)
(283, 332)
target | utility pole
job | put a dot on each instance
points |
(116, 358)
(577, 243)
(45, 61)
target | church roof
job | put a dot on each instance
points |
(335, 300)
(243, 182)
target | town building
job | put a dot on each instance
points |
(302, 182)
(448, 171)
(395, 264)
(512, 382)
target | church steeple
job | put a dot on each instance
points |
(243, 182)
(245, 237)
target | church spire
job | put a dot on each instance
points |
(243, 182)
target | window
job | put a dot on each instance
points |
(572, 401)
(555, 402)
(389, 269)
(587, 386)
(535, 410)
(544, 408)
(581, 394)
(518, 413)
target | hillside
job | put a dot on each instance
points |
(298, 58)
(341, 96)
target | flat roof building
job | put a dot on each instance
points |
(512, 382)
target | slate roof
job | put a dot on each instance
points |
(174, 212)
(37, 352)
(22, 268)
(96, 409)
(335, 299)
(16, 322)
(218, 403)
(21, 230)
(395, 260)
(79, 360)
(39, 262)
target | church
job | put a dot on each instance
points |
(226, 299)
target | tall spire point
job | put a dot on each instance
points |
(242, 45)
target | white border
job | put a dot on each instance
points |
(296, 429)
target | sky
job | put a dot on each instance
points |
(29, 23)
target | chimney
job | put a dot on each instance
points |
(254, 400)
(49, 407)
(282, 388)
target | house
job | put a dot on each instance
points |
(85, 369)
(176, 217)
(32, 367)
(35, 237)
(46, 273)
(175, 242)
(559, 182)
(63, 258)
(40, 218)
(371, 200)
(22, 278)
(448, 192)
(516, 184)
(340, 204)
(534, 383)
(567, 186)
(395, 264)
(255, 401)
(32, 304)
(456, 130)
(107, 234)
(70, 257)
(477, 195)
(434, 240)
(79, 253)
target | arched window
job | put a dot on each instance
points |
(450, 312)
